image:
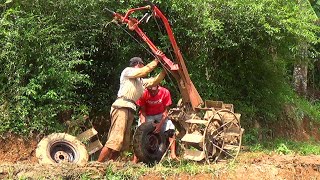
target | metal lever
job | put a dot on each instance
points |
(109, 11)
(148, 18)
(145, 18)
(150, 3)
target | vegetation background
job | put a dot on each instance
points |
(61, 60)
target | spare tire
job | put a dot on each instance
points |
(149, 147)
(61, 148)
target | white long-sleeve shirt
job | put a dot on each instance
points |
(132, 84)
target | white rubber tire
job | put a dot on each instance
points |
(76, 149)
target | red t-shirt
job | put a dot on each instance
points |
(155, 104)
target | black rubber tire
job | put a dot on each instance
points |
(148, 146)
(61, 148)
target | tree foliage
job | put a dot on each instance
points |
(66, 55)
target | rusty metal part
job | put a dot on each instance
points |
(63, 152)
(65, 148)
(210, 132)
(223, 136)
(92, 147)
(213, 133)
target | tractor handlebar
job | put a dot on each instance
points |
(110, 11)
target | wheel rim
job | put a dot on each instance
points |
(63, 152)
(153, 143)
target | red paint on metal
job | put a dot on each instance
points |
(188, 91)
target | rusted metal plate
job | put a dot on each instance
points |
(193, 138)
(87, 134)
(94, 147)
(228, 117)
(229, 107)
(203, 108)
(217, 116)
(197, 121)
(214, 104)
(209, 114)
(194, 155)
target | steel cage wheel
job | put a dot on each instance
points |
(222, 137)
(212, 140)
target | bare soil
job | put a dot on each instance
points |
(17, 160)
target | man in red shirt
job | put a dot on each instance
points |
(122, 110)
(154, 105)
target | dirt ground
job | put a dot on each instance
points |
(17, 160)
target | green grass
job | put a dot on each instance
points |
(165, 169)
(282, 146)
(306, 108)
(170, 168)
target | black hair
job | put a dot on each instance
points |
(135, 60)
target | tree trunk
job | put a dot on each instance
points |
(300, 78)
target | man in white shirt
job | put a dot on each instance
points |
(124, 107)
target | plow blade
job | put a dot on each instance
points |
(194, 155)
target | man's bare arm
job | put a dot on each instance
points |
(142, 115)
(162, 121)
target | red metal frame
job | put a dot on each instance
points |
(179, 70)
